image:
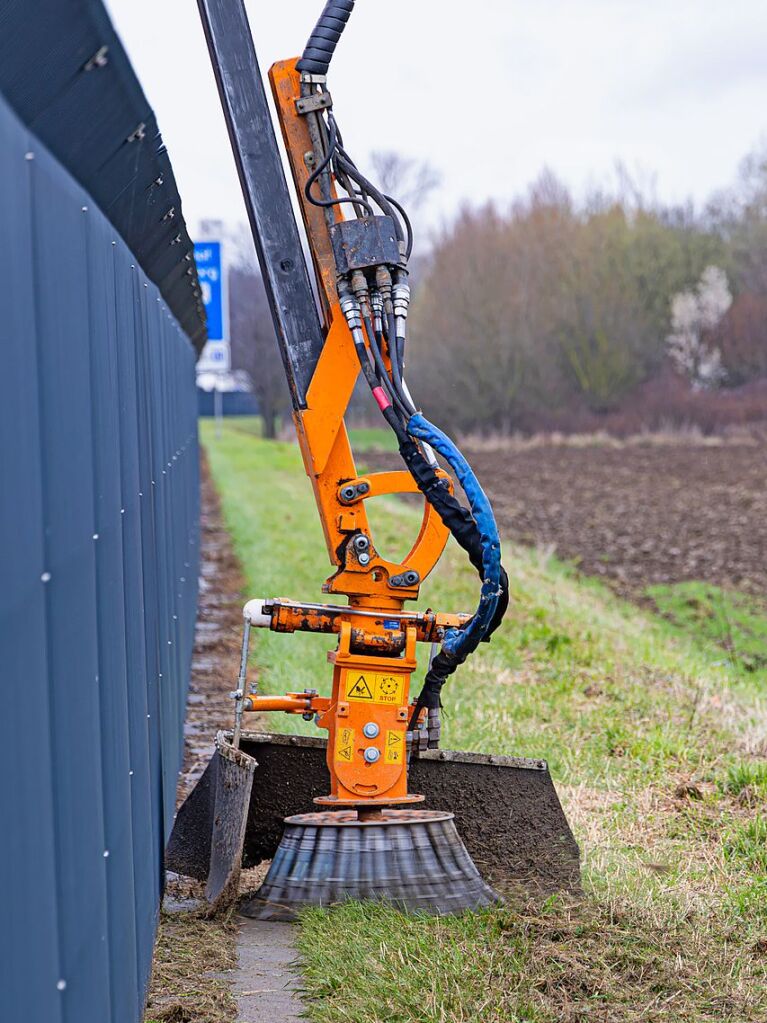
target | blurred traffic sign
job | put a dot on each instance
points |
(210, 270)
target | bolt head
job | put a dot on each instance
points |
(370, 730)
(364, 558)
(372, 754)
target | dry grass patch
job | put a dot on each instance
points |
(191, 954)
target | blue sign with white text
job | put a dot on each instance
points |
(207, 256)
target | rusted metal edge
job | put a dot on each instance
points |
(236, 756)
(453, 756)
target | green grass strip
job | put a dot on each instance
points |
(656, 742)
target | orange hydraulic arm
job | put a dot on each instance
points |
(351, 318)
(368, 710)
(362, 573)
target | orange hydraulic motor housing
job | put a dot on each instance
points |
(368, 711)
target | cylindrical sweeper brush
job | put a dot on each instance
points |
(412, 858)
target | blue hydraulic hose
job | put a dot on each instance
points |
(460, 642)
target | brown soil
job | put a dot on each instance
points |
(635, 514)
(216, 657)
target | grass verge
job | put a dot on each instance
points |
(735, 621)
(656, 744)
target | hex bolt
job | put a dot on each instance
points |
(348, 493)
(361, 542)
(370, 730)
(363, 558)
(409, 578)
(372, 754)
(362, 488)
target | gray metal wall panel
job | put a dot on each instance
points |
(149, 566)
(61, 314)
(27, 795)
(145, 825)
(110, 592)
(98, 595)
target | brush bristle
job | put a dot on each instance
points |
(412, 858)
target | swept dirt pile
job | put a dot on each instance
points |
(216, 658)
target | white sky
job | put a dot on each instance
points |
(489, 91)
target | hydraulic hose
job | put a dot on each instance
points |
(322, 43)
(459, 642)
(463, 528)
(482, 547)
(473, 528)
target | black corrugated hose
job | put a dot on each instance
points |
(321, 45)
(463, 528)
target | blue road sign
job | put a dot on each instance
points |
(207, 256)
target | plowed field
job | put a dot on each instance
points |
(637, 514)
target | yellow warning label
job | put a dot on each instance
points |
(395, 747)
(344, 745)
(373, 687)
(359, 688)
(389, 688)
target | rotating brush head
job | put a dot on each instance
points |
(412, 858)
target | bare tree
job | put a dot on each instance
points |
(254, 346)
(484, 317)
(408, 180)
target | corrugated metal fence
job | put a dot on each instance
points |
(98, 583)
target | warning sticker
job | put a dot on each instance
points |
(389, 688)
(373, 687)
(359, 687)
(395, 747)
(344, 745)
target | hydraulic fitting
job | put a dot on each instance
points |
(401, 297)
(383, 283)
(376, 304)
(350, 307)
(359, 285)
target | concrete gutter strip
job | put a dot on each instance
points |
(265, 982)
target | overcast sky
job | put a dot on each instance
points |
(676, 89)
